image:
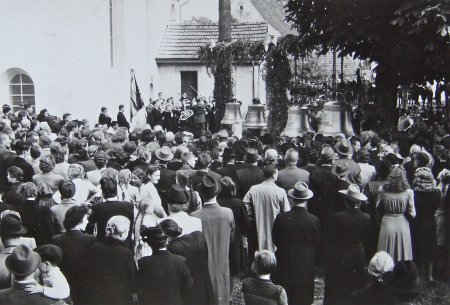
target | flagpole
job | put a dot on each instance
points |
(131, 91)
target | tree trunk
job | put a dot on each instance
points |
(224, 20)
(386, 87)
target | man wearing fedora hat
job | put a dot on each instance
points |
(346, 256)
(10, 231)
(296, 234)
(218, 228)
(23, 262)
(177, 199)
(345, 152)
(203, 164)
(228, 163)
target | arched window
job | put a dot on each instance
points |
(21, 89)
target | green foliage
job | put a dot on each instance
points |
(412, 37)
(219, 60)
(408, 39)
(277, 77)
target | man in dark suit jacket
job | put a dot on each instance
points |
(21, 148)
(250, 175)
(203, 163)
(172, 272)
(75, 245)
(121, 119)
(296, 234)
(23, 262)
(102, 212)
(229, 163)
(103, 118)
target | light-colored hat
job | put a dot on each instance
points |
(353, 192)
(300, 191)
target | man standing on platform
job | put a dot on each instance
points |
(103, 118)
(121, 119)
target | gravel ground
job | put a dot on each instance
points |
(437, 293)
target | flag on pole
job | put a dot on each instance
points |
(136, 100)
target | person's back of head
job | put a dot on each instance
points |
(118, 227)
(203, 161)
(67, 189)
(265, 262)
(108, 187)
(291, 156)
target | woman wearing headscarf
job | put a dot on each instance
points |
(194, 248)
(110, 267)
(396, 204)
(427, 197)
(377, 291)
(163, 277)
(37, 219)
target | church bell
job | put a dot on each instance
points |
(255, 118)
(232, 114)
(336, 118)
(233, 118)
(297, 123)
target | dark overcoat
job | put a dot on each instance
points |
(296, 234)
(194, 248)
(163, 278)
(75, 245)
(345, 272)
(111, 273)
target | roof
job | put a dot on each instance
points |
(274, 13)
(182, 41)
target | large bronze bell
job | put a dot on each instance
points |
(297, 123)
(233, 117)
(255, 118)
(336, 118)
(232, 114)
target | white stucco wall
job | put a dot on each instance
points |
(64, 46)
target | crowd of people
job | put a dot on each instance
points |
(104, 215)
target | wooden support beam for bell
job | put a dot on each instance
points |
(336, 118)
(233, 117)
(297, 123)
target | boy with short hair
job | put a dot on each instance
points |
(51, 282)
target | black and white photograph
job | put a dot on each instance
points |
(225, 152)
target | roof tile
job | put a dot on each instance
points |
(184, 40)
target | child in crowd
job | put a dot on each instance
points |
(50, 280)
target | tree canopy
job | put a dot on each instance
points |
(410, 38)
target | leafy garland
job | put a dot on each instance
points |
(220, 58)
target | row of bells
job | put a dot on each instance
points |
(335, 118)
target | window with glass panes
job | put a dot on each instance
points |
(21, 89)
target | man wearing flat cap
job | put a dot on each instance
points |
(296, 234)
(218, 228)
(23, 262)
